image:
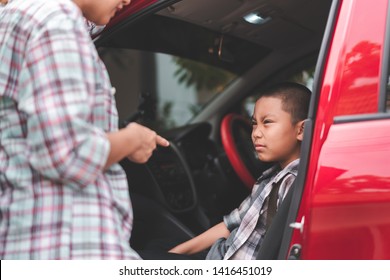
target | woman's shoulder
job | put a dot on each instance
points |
(35, 17)
(43, 11)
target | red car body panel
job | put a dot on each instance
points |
(346, 202)
(350, 206)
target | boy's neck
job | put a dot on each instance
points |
(284, 165)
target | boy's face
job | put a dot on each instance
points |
(100, 11)
(274, 136)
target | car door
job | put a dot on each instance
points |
(344, 208)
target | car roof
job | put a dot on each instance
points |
(215, 32)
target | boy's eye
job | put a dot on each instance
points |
(266, 121)
(253, 122)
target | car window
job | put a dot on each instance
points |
(388, 92)
(172, 89)
(388, 98)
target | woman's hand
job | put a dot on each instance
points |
(145, 142)
(135, 141)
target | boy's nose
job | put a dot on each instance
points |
(257, 133)
(126, 2)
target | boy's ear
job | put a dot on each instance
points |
(300, 128)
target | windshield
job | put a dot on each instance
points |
(169, 90)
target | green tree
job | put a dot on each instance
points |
(201, 76)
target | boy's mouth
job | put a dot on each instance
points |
(259, 147)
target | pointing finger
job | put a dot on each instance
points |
(162, 141)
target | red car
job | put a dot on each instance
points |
(191, 69)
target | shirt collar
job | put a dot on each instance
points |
(93, 28)
(292, 167)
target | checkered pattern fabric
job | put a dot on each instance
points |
(247, 223)
(56, 105)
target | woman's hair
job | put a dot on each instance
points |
(295, 99)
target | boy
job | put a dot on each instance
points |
(63, 194)
(278, 123)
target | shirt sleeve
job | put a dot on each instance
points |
(58, 92)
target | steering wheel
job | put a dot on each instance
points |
(236, 141)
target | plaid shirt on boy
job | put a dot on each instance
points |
(56, 105)
(247, 223)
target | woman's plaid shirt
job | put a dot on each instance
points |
(56, 104)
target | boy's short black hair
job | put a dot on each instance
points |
(295, 99)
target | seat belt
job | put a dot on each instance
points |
(272, 203)
(272, 241)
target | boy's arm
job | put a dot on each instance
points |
(202, 241)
